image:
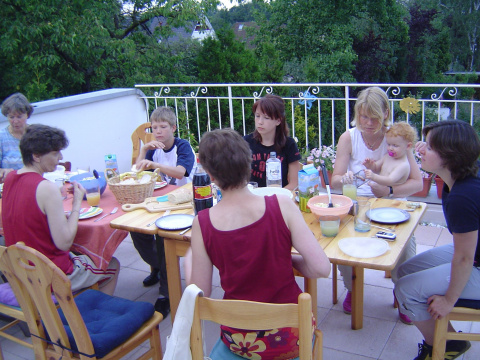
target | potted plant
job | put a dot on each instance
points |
(427, 180)
(324, 155)
(439, 183)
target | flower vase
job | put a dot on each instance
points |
(439, 182)
(427, 183)
(329, 175)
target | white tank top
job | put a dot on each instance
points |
(360, 151)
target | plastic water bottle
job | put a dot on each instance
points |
(202, 190)
(274, 170)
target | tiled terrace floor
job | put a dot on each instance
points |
(382, 337)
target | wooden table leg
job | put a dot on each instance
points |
(311, 288)
(357, 298)
(173, 276)
(334, 284)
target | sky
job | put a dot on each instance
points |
(228, 4)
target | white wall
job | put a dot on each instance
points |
(96, 124)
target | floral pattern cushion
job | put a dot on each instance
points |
(274, 344)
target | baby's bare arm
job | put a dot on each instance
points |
(393, 173)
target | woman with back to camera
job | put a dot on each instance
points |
(249, 239)
(367, 140)
(271, 134)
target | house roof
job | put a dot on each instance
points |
(242, 34)
(191, 30)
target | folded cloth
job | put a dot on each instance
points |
(180, 196)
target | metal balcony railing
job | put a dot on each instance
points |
(317, 114)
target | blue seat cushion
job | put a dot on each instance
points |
(467, 303)
(109, 320)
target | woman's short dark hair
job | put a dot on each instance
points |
(17, 103)
(40, 140)
(274, 107)
(457, 144)
(225, 155)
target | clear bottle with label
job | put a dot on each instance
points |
(274, 170)
(202, 190)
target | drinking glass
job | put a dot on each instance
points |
(93, 192)
(329, 224)
(361, 221)
(60, 182)
(350, 190)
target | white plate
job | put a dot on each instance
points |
(363, 247)
(159, 185)
(267, 191)
(93, 211)
(175, 222)
(387, 215)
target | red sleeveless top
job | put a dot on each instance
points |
(24, 221)
(255, 262)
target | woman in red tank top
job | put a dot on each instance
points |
(249, 239)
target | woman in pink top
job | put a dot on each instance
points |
(249, 239)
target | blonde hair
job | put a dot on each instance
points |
(404, 130)
(372, 102)
(164, 113)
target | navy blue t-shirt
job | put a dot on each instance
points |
(461, 207)
(181, 153)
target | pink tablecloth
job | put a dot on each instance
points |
(97, 239)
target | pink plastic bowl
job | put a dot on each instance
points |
(344, 201)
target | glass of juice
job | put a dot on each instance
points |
(93, 192)
(329, 225)
(350, 190)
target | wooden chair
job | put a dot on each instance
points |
(257, 316)
(464, 310)
(71, 328)
(67, 165)
(139, 136)
(14, 316)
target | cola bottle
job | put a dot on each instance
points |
(202, 190)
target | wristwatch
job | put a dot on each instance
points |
(391, 192)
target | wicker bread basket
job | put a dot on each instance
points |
(130, 193)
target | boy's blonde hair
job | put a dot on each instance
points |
(372, 102)
(404, 130)
(164, 113)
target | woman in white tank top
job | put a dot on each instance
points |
(367, 139)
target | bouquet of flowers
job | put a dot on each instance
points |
(324, 155)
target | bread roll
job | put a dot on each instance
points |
(180, 196)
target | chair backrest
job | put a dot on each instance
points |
(255, 316)
(32, 277)
(139, 136)
(464, 310)
(67, 165)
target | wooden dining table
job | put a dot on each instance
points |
(176, 246)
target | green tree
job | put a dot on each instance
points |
(225, 60)
(464, 21)
(54, 48)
